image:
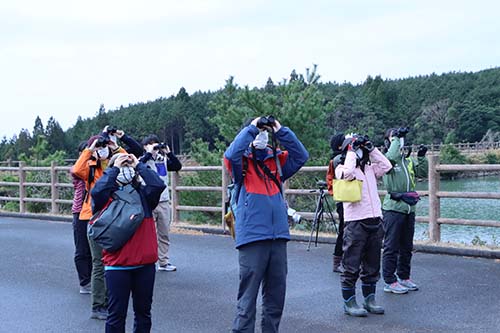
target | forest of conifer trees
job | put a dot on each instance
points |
(447, 108)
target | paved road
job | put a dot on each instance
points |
(39, 292)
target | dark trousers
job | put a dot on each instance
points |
(261, 262)
(340, 235)
(398, 245)
(362, 245)
(120, 284)
(83, 258)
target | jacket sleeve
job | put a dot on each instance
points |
(81, 168)
(146, 157)
(346, 170)
(234, 153)
(421, 167)
(104, 188)
(133, 147)
(330, 175)
(394, 154)
(173, 163)
(154, 185)
(297, 153)
(381, 165)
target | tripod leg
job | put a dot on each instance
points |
(315, 221)
(330, 214)
(320, 218)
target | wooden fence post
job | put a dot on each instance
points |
(434, 202)
(22, 189)
(225, 183)
(54, 193)
(175, 196)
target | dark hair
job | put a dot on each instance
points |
(81, 146)
(151, 138)
(388, 133)
(336, 143)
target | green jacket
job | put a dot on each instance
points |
(402, 177)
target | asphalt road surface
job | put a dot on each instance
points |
(39, 288)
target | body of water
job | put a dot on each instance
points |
(484, 209)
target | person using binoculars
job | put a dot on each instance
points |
(130, 269)
(399, 210)
(89, 167)
(262, 230)
(363, 231)
(158, 157)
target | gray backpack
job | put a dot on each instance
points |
(116, 223)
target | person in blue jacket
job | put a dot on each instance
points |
(262, 230)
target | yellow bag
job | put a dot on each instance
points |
(347, 190)
(230, 221)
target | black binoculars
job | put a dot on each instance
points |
(268, 121)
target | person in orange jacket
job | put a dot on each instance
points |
(90, 167)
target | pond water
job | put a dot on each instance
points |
(487, 209)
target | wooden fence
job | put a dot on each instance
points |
(54, 186)
(435, 194)
(464, 147)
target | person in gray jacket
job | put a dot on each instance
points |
(159, 158)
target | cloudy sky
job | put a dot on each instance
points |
(64, 58)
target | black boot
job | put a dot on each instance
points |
(337, 264)
(369, 304)
(352, 308)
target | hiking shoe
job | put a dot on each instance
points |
(85, 289)
(395, 288)
(100, 313)
(167, 268)
(408, 284)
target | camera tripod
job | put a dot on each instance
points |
(322, 207)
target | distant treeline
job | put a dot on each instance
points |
(447, 108)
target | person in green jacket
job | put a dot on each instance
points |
(399, 210)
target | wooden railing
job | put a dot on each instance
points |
(435, 194)
(54, 185)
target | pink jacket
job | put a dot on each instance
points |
(369, 206)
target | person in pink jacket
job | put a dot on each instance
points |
(363, 229)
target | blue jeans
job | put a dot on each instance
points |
(120, 283)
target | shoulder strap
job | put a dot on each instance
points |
(270, 175)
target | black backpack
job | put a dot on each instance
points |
(116, 223)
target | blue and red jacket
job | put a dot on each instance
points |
(262, 210)
(142, 247)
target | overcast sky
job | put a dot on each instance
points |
(65, 58)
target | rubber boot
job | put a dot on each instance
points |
(352, 308)
(337, 264)
(369, 304)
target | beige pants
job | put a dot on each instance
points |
(162, 216)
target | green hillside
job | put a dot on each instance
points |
(452, 107)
